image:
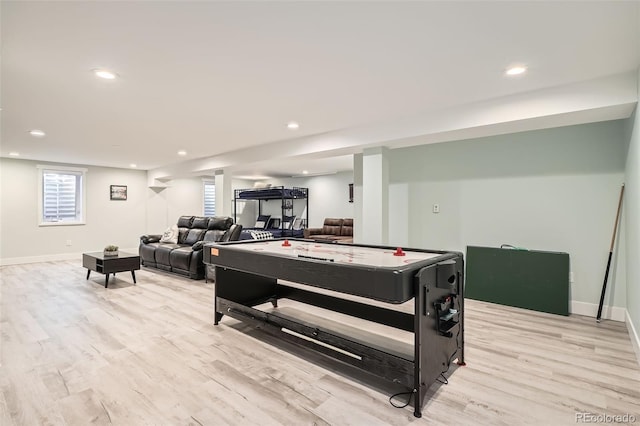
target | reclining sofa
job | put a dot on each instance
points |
(334, 230)
(184, 257)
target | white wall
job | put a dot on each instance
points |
(632, 227)
(247, 210)
(552, 190)
(180, 197)
(107, 222)
(146, 211)
(184, 197)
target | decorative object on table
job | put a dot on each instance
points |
(110, 250)
(118, 192)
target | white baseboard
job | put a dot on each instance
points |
(51, 258)
(613, 313)
(635, 339)
(38, 259)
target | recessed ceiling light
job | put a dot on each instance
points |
(516, 70)
(37, 133)
(305, 172)
(133, 165)
(182, 152)
(292, 125)
(107, 75)
(14, 154)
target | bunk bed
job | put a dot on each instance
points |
(294, 212)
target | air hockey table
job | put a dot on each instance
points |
(254, 273)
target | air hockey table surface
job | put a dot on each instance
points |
(380, 273)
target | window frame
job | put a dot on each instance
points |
(82, 193)
(206, 182)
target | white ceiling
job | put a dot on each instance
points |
(222, 79)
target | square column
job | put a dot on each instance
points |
(375, 196)
(224, 193)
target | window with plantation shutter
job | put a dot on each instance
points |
(209, 199)
(61, 196)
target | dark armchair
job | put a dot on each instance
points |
(233, 234)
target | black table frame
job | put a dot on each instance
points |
(245, 279)
(98, 262)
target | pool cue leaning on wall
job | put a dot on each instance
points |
(613, 240)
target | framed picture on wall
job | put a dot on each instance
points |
(118, 192)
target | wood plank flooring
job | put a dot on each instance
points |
(75, 353)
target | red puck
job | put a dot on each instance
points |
(286, 243)
(399, 252)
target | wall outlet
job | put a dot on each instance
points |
(68, 243)
(436, 208)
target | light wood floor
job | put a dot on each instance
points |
(75, 353)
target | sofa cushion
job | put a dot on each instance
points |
(148, 252)
(163, 251)
(324, 237)
(194, 235)
(200, 222)
(347, 228)
(330, 221)
(182, 235)
(213, 235)
(331, 230)
(185, 221)
(180, 258)
(331, 226)
(233, 233)
(220, 223)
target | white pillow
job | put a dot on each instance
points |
(170, 235)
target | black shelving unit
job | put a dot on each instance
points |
(287, 196)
